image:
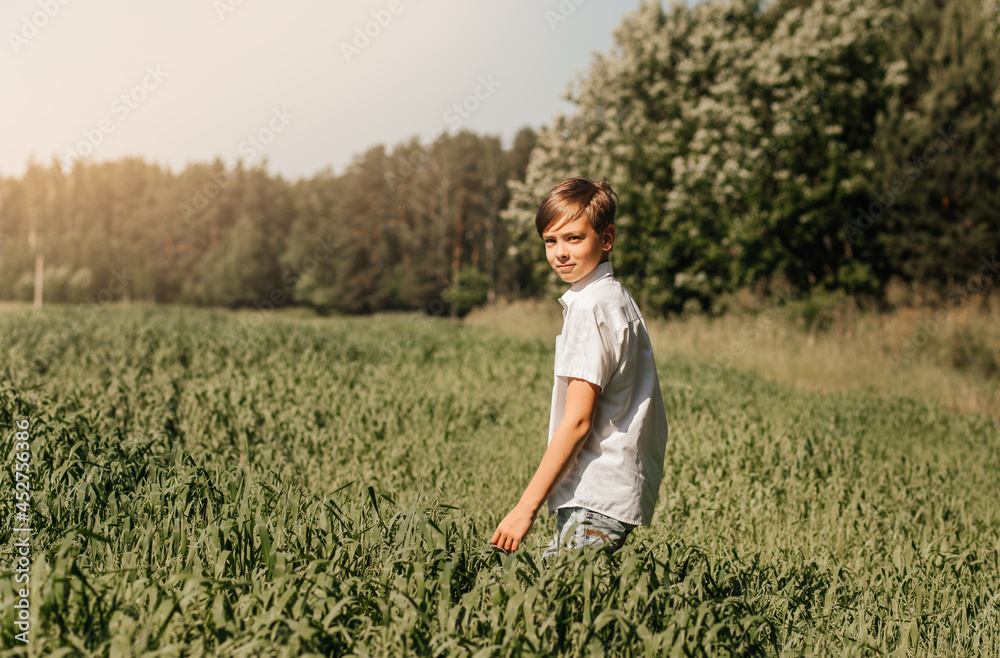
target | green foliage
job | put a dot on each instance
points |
(470, 290)
(391, 232)
(221, 484)
(937, 143)
(745, 139)
(818, 310)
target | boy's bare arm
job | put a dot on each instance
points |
(569, 435)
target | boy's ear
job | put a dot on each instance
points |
(609, 237)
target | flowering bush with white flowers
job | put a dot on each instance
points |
(740, 139)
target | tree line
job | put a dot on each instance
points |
(414, 227)
(821, 145)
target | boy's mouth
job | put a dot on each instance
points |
(565, 266)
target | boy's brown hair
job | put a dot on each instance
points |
(575, 197)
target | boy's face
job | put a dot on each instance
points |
(574, 249)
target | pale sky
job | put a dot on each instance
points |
(183, 81)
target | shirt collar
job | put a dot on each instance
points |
(602, 270)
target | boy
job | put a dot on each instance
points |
(607, 427)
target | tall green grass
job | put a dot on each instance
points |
(329, 487)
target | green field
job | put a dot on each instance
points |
(202, 486)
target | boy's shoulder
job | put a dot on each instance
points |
(610, 301)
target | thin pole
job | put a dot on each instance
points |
(39, 269)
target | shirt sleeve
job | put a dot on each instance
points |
(590, 348)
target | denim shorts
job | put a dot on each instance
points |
(578, 527)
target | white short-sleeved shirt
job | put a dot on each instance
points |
(618, 469)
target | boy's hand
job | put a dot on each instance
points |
(513, 528)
